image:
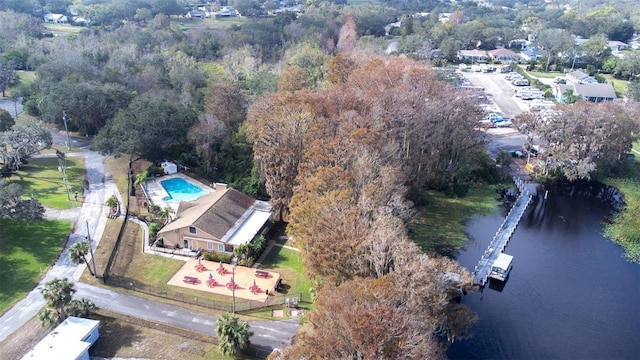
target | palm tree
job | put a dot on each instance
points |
(58, 293)
(78, 254)
(112, 201)
(164, 214)
(234, 337)
(141, 178)
(81, 308)
(49, 317)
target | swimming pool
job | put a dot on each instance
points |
(180, 190)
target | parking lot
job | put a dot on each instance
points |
(501, 93)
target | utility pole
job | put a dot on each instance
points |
(66, 130)
(62, 162)
(93, 259)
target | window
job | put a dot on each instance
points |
(221, 247)
(192, 230)
(210, 246)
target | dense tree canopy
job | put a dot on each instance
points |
(146, 128)
(582, 137)
(21, 142)
(342, 160)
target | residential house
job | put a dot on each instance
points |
(56, 18)
(504, 55)
(69, 340)
(531, 54)
(218, 221)
(616, 46)
(473, 55)
(593, 92)
(596, 92)
(580, 77)
(196, 14)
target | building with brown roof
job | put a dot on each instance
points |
(218, 221)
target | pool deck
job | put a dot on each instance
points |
(156, 193)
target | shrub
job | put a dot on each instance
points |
(248, 262)
(217, 257)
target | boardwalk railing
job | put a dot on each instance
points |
(503, 235)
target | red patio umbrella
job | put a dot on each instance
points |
(254, 282)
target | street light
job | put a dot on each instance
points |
(233, 287)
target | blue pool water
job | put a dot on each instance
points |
(180, 190)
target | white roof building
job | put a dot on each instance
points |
(70, 340)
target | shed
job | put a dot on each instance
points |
(70, 340)
(169, 167)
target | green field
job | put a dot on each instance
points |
(440, 225)
(27, 250)
(41, 179)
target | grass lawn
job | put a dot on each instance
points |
(636, 147)
(625, 229)
(440, 226)
(41, 179)
(545, 75)
(620, 86)
(63, 29)
(27, 250)
(288, 263)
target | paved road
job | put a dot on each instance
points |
(14, 108)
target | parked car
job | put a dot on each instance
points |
(520, 82)
(505, 123)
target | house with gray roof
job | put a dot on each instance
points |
(580, 77)
(216, 222)
(531, 54)
(594, 92)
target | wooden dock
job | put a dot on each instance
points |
(503, 235)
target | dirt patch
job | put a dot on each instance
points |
(21, 341)
(125, 337)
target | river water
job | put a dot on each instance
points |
(570, 295)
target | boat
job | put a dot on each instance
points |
(501, 267)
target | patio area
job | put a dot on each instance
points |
(209, 276)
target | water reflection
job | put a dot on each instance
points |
(570, 294)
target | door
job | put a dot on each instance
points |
(185, 244)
